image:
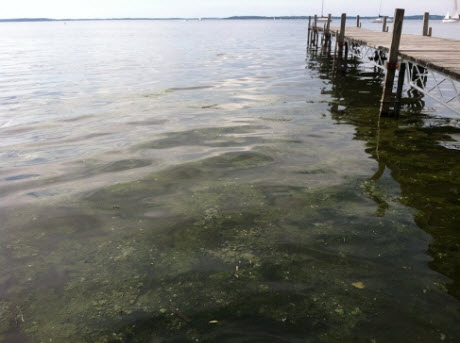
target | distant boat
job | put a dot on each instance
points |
(455, 18)
(379, 20)
(322, 19)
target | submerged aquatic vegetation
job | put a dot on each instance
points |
(192, 246)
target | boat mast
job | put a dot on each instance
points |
(322, 9)
(380, 9)
(455, 15)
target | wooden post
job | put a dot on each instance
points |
(309, 30)
(401, 76)
(335, 45)
(334, 65)
(327, 34)
(315, 29)
(342, 35)
(329, 19)
(392, 63)
(358, 22)
(317, 35)
(426, 23)
(384, 26)
(430, 32)
(323, 37)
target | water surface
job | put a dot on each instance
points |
(209, 181)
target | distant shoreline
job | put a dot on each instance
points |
(413, 17)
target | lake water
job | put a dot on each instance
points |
(210, 182)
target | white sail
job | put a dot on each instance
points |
(323, 18)
(454, 18)
(379, 19)
(454, 11)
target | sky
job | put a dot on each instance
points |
(59, 9)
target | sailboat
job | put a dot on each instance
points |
(379, 20)
(322, 19)
(455, 18)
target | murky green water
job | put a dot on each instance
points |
(233, 193)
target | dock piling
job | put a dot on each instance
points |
(384, 26)
(329, 19)
(426, 23)
(309, 31)
(315, 30)
(358, 21)
(323, 37)
(392, 63)
(341, 40)
(336, 43)
(327, 34)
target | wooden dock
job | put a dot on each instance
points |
(439, 54)
(427, 64)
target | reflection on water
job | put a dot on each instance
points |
(413, 152)
(217, 190)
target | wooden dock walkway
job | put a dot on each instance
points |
(415, 58)
(440, 54)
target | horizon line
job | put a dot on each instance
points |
(196, 18)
